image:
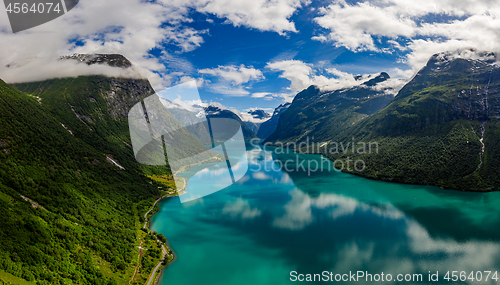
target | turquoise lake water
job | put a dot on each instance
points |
(273, 221)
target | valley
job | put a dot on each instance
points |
(241, 142)
(83, 194)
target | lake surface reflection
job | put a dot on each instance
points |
(272, 222)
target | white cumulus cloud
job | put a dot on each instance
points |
(132, 28)
(302, 75)
(229, 79)
(421, 28)
(235, 75)
(264, 15)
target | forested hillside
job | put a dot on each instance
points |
(72, 195)
(441, 129)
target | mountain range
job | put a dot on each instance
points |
(321, 113)
(72, 194)
(440, 129)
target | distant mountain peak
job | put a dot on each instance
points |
(259, 114)
(114, 60)
(381, 77)
(368, 77)
(363, 82)
(313, 88)
(212, 110)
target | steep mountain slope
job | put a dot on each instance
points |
(268, 127)
(321, 114)
(96, 108)
(66, 214)
(114, 60)
(65, 145)
(441, 129)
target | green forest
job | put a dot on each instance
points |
(67, 215)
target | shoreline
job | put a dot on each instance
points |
(159, 267)
(162, 269)
(387, 181)
(402, 182)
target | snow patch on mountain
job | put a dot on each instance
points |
(467, 54)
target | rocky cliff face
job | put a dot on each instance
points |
(94, 108)
(478, 100)
(122, 94)
(114, 60)
(103, 96)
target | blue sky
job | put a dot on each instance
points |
(227, 45)
(252, 53)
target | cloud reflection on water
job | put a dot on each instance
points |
(418, 252)
(343, 223)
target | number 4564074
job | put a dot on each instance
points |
(472, 276)
(39, 8)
